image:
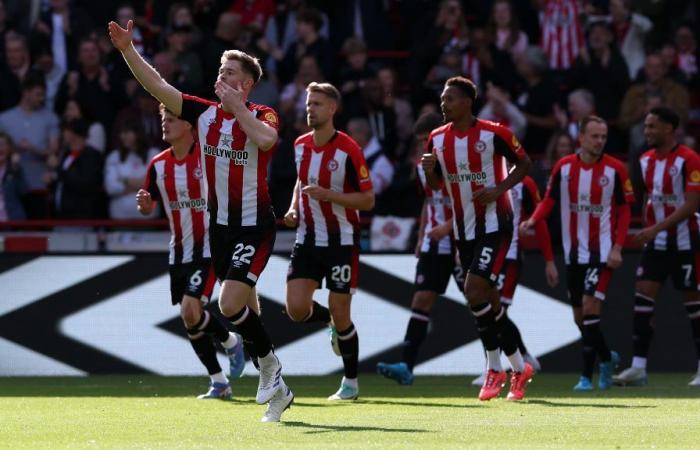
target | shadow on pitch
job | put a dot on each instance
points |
(586, 405)
(318, 428)
(421, 404)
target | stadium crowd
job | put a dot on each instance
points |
(77, 131)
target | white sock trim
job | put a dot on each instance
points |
(516, 361)
(639, 363)
(231, 341)
(219, 377)
(482, 312)
(493, 360)
(243, 317)
(205, 322)
(352, 382)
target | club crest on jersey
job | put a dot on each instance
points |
(271, 117)
(363, 172)
(695, 176)
(628, 185)
(603, 181)
(480, 146)
(197, 173)
(673, 171)
(514, 141)
(332, 165)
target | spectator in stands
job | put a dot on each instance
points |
(561, 34)
(381, 171)
(354, 73)
(77, 179)
(382, 118)
(559, 145)
(505, 30)
(293, 97)
(630, 30)
(309, 43)
(53, 74)
(601, 69)
(180, 16)
(16, 68)
(64, 26)
(96, 137)
(254, 13)
(34, 130)
(13, 184)
(676, 96)
(188, 62)
(499, 108)
(580, 104)
(280, 33)
(92, 86)
(4, 31)
(227, 30)
(688, 59)
(389, 81)
(125, 170)
(537, 101)
(124, 14)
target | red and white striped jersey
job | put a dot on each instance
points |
(470, 161)
(525, 196)
(338, 165)
(667, 178)
(589, 197)
(562, 38)
(181, 187)
(234, 166)
(438, 210)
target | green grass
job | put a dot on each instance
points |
(438, 412)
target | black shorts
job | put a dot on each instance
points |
(587, 279)
(485, 255)
(508, 280)
(682, 265)
(338, 265)
(195, 279)
(433, 272)
(241, 253)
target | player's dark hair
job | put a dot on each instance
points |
(249, 64)
(465, 85)
(583, 123)
(33, 79)
(77, 126)
(427, 123)
(326, 89)
(666, 115)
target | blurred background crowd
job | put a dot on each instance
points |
(77, 132)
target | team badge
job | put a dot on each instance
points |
(332, 165)
(673, 171)
(514, 141)
(363, 172)
(695, 176)
(271, 117)
(480, 146)
(603, 181)
(197, 173)
(628, 185)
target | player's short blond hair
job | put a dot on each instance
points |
(249, 64)
(326, 89)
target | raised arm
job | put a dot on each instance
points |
(144, 73)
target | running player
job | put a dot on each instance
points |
(525, 197)
(594, 192)
(236, 138)
(469, 156)
(332, 185)
(671, 174)
(175, 178)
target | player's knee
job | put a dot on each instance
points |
(475, 293)
(423, 300)
(190, 314)
(297, 312)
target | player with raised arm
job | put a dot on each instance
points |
(469, 156)
(175, 179)
(671, 174)
(332, 185)
(594, 191)
(236, 138)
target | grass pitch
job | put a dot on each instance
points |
(436, 412)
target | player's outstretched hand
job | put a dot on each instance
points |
(230, 97)
(316, 192)
(144, 202)
(121, 38)
(291, 219)
(551, 273)
(645, 235)
(428, 161)
(526, 225)
(615, 257)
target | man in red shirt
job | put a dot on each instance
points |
(236, 137)
(594, 193)
(469, 155)
(333, 184)
(671, 239)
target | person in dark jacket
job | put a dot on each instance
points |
(13, 184)
(77, 180)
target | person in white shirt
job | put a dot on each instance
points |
(381, 170)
